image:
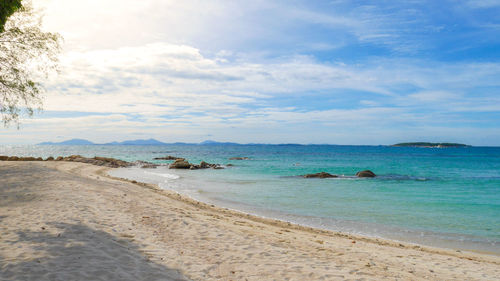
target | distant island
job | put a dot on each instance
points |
(431, 144)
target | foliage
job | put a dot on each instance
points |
(27, 55)
(7, 8)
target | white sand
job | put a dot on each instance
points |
(68, 221)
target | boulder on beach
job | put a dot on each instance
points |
(50, 158)
(321, 175)
(239, 158)
(365, 174)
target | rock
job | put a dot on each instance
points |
(322, 175)
(229, 165)
(16, 158)
(169, 157)
(204, 165)
(149, 166)
(183, 164)
(239, 158)
(27, 158)
(365, 174)
(60, 158)
(50, 158)
(180, 164)
(72, 158)
(110, 162)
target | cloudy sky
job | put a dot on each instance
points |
(291, 71)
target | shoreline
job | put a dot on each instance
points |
(164, 232)
(296, 226)
(274, 215)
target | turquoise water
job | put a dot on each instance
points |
(441, 197)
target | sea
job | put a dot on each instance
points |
(439, 197)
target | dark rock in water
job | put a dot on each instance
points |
(365, 174)
(149, 166)
(180, 164)
(169, 157)
(239, 158)
(204, 165)
(183, 164)
(322, 175)
(229, 165)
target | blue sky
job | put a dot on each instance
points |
(339, 72)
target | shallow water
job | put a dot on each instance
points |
(440, 197)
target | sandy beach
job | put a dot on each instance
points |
(70, 221)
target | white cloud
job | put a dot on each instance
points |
(138, 67)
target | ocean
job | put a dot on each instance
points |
(443, 197)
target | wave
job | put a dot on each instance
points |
(165, 175)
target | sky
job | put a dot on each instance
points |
(335, 72)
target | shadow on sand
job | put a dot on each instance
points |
(67, 251)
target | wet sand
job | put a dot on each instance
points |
(70, 221)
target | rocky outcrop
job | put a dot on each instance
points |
(180, 164)
(183, 164)
(365, 174)
(239, 158)
(98, 161)
(169, 157)
(16, 158)
(321, 175)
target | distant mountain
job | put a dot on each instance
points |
(142, 142)
(86, 142)
(69, 142)
(431, 144)
(137, 142)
